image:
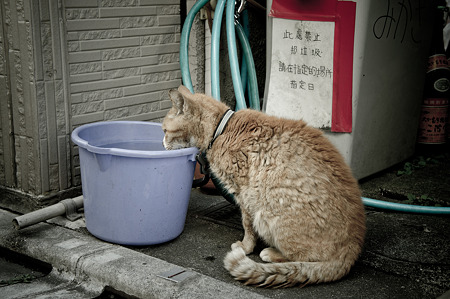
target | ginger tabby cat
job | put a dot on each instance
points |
(294, 190)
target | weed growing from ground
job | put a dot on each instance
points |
(418, 163)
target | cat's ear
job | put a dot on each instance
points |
(177, 100)
(182, 99)
(188, 97)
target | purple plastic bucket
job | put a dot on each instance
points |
(135, 192)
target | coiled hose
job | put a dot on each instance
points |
(254, 97)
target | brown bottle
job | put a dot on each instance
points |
(447, 53)
(434, 110)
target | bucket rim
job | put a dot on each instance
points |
(126, 152)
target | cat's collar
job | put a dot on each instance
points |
(201, 157)
(221, 126)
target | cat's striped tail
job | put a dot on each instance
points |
(280, 275)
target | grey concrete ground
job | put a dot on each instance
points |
(405, 256)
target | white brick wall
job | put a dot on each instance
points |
(123, 57)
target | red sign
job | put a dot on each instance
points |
(342, 13)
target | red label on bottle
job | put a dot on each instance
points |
(435, 101)
(433, 124)
(437, 61)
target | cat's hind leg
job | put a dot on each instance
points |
(273, 255)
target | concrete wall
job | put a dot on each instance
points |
(65, 63)
(196, 51)
(6, 142)
(19, 156)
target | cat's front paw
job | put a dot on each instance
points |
(239, 244)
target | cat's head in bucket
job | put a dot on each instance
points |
(189, 124)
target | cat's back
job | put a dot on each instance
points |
(274, 145)
(293, 137)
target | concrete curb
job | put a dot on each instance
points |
(96, 264)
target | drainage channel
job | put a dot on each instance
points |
(223, 213)
(17, 268)
(23, 276)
